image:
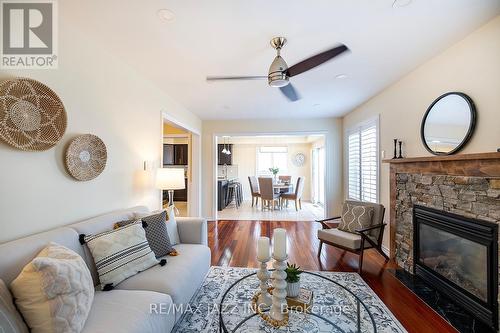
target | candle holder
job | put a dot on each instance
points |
(395, 148)
(400, 149)
(279, 306)
(264, 301)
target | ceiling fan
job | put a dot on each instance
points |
(279, 72)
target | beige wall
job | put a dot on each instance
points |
(472, 66)
(331, 127)
(245, 157)
(103, 96)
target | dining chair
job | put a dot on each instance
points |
(351, 235)
(254, 189)
(267, 194)
(296, 195)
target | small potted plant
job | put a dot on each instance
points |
(274, 171)
(292, 280)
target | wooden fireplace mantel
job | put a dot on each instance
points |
(471, 165)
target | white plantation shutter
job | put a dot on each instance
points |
(363, 162)
(354, 166)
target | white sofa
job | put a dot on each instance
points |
(140, 304)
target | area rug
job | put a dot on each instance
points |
(203, 316)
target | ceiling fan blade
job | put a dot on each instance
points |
(290, 92)
(316, 60)
(225, 78)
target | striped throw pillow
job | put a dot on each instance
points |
(120, 253)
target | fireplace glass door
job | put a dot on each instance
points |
(455, 258)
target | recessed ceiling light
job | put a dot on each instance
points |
(341, 76)
(401, 3)
(166, 15)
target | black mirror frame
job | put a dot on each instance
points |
(472, 124)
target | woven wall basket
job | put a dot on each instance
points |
(86, 157)
(32, 117)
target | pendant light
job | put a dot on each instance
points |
(228, 151)
(224, 150)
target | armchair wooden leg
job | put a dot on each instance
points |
(296, 205)
(379, 249)
(300, 204)
(320, 247)
(360, 265)
(252, 201)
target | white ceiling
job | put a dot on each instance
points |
(228, 37)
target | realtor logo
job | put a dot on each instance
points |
(29, 34)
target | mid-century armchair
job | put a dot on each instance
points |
(358, 240)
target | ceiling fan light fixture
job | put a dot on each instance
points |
(278, 76)
(278, 80)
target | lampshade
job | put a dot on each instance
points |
(170, 179)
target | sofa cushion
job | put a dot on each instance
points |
(54, 292)
(23, 250)
(10, 319)
(180, 278)
(120, 253)
(130, 311)
(342, 238)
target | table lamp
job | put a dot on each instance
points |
(170, 179)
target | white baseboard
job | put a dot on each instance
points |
(386, 251)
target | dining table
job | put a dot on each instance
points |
(282, 187)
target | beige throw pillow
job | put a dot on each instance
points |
(355, 217)
(54, 292)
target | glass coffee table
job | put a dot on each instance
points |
(335, 308)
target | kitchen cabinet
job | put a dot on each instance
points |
(175, 154)
(222, 188)
(168, 154)
(224, 158)
(181, 154)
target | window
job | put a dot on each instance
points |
(270, 157)
(362, 162)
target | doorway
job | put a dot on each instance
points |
(177, 149)
(240, 157)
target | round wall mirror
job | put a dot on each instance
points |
(448, 123)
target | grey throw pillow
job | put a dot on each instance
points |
(355, 217)
(156, 233)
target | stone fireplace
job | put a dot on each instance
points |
(474, 197)
(466, 186)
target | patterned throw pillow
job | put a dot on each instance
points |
(120, 253)
(355, 217)
(156, 233)
(55, 291)
(173, 233)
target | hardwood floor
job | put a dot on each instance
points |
(233, 243)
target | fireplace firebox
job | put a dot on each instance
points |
(459, 256)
